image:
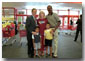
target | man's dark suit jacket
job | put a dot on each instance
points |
(79, 24)
(30, 24)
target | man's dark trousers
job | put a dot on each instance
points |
(77, 32)
(30, 45)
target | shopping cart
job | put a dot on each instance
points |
(8, 33)
(22, 33)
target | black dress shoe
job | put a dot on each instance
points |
(74, 40)
(32, 56)
(29, 55)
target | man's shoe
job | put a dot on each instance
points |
(55, 57)
(32, 56)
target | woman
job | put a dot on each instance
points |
(42, 21)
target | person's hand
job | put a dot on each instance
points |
(52, 32)
(34, 33)
(53, 29)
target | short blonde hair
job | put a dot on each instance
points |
(41, 12)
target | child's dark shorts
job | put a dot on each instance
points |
(48, 42)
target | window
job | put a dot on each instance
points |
(63, 12)
(73, 12)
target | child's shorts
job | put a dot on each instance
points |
(48, 42)
(37, 46)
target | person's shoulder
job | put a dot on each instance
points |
(28, 17)
(31, 16)
(55, 14)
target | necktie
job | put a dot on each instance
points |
(35, 20)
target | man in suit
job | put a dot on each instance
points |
(30, 27)
(79, 28)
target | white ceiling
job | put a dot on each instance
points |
(41, 5)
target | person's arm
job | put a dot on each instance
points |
(27, 22)
(57, 20)
(58, 24)
(52, 31)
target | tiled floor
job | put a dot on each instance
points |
(67, 48)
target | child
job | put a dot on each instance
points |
(42, 21)
(36, 42)
(48, 36)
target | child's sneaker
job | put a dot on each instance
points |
(46, 55)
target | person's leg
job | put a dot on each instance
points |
(81, 35)
(55, 43)
(38, 47)
(50, 50)
(77, 32)
(42, 45)
(50, 45)
(46, 50)
(46, 45)
(35, 49)
(28, 43)
(34, 52)
(32, 49)
(29, 48)
(38, 52)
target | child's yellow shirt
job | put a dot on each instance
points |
(48, 34)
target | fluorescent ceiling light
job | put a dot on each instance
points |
(37, 7)
(37, 3)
